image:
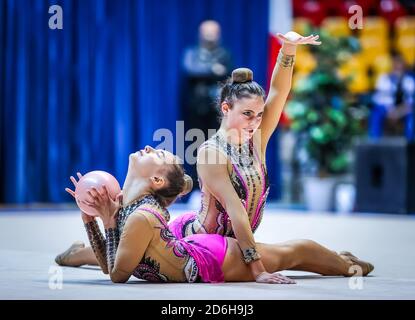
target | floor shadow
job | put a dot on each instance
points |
(94, 282)
(311, 277)
(88, 267)
(84, 267)
(108, 282)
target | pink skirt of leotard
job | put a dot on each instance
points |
(208, 251)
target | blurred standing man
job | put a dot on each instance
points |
(205, 65)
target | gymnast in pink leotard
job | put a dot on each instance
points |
(235, 185)
(138, 240)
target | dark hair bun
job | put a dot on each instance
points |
(242, 75)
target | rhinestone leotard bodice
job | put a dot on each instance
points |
(248, 175)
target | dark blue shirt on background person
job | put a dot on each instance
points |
(393, 100)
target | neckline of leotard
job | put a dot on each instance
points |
(241, 153)
(150, 200)
(221, 136)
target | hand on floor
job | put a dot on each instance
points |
(275, 277)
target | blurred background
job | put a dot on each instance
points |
(84, 97)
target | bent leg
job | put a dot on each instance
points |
(77, 255)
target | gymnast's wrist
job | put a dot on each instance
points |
(259, 275)
(257, 268)
(250, 255)
(87, 218)
(110, 224)
(285, 60)
(289, 48)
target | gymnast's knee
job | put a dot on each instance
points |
(302, 246)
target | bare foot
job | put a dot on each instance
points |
(367, 267)
(64, 259)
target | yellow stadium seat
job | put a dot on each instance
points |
(302, 26)
(406, 47)
(371, 56)
(356, 69)
(382, 64)
(409, 56)
(405, 26)
(359, 83)
(373, 46)
(375, 26)
(355, 64)
(336, 26)
(302, 49)
(305, 62)
(374, 42)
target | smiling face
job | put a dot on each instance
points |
(245, 116)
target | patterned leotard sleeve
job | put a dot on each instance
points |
(125, 250)
(112, 238)
(98, 244)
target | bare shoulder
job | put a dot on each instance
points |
(211, 155)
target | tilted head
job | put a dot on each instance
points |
(161, 172)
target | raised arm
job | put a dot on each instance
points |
(212, 169)
(280, 84)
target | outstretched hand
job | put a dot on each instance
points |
(275, 277)
(295, 39)
(85, 217)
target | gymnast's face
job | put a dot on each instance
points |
(245, 116)
(150, 163)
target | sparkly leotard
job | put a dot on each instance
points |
(164, 258)
(248, 175)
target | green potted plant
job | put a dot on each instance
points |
(326, 118)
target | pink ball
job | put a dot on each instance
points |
(95, 179)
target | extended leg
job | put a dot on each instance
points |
(304, 255)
